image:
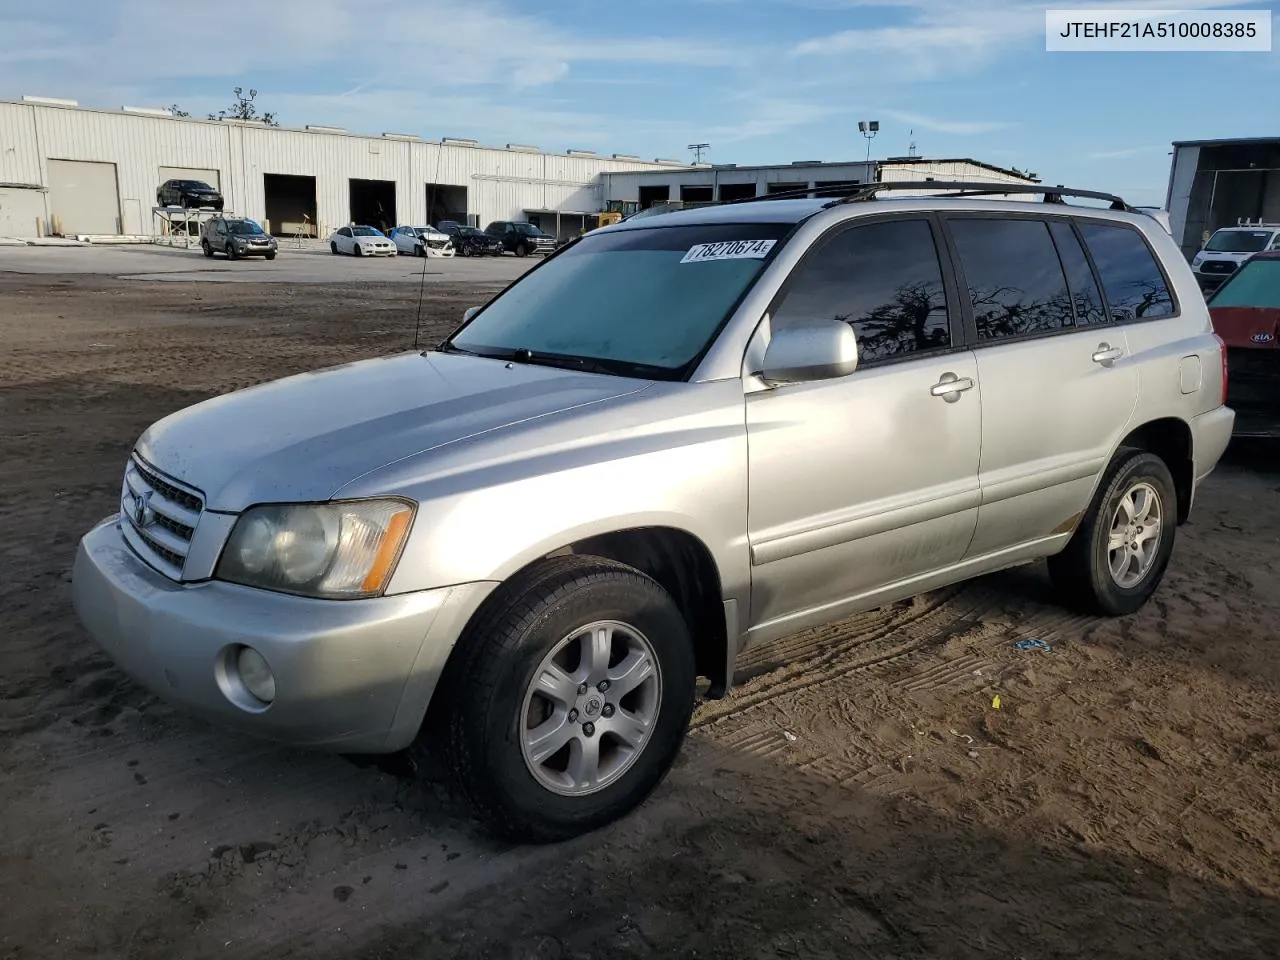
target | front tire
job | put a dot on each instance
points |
(569, 698)
(358, 250)
(522, 251)
(230, 251)
(1118, 555)
(271, 256)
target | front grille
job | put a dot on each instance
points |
(1218, 266)
(437, 244)
(1253, 379)
(158, 517)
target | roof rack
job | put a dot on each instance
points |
(851, 193)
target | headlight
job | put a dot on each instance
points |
(341, 550)
(1197, 260)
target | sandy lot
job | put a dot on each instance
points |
(858, 796)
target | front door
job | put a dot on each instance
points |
(869, 480)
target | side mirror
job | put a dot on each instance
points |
(803, 354)
(469, 313)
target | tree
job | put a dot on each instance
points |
(245, 109)
(177, 111)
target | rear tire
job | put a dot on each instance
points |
(333, 248)
(527, 663)
(1118, 555)
(204, 246)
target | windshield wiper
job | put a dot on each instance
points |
(566, 361)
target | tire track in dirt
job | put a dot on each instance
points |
(877, 656)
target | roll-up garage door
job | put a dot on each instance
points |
(84, 197)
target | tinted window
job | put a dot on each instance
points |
(1256, 284)
(345, 232)
(884, 279)
(1084, 286)
(1134, 284)
(668, 292)
(1014, 277)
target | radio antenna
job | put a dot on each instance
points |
(422, 281)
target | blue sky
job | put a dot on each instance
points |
(761, 80)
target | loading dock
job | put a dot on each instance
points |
(737, 191)
(1216, 183)
(654, 193)
(290, 205)
(84, 198)
(446, 202)
(373, 202)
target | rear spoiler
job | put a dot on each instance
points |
(1159, 216)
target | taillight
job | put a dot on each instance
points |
(1222, 348)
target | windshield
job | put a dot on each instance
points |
(469, 231)
(645, 302)
(1256, 284)
(198, 185)
(1238, 241)
(528, 229)
(244, 227)
(364, 232)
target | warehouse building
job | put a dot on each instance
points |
(69, 170)
(74, 171)
(705, 183)
(1217, 183)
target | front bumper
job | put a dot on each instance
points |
(1253, 390)
(354, 676)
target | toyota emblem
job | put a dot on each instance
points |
(143, 515)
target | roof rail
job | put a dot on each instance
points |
(849, 193)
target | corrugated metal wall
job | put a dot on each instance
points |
(501, 184)
(625, 187)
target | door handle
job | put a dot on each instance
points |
(1106, 354)
(950, 387)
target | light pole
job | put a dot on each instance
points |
(869, 129)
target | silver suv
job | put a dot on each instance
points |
(673, 439)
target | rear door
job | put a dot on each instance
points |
(1058, 383)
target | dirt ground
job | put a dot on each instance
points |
(857, 796)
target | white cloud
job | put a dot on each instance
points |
(958, 127)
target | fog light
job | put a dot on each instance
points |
(255, 674)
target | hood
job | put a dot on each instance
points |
(1247, 326)
(305, 437)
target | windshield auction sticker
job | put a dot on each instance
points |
(1157, 31)
(729, 250)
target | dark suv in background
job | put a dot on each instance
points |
(471, 241)
(188, 193)
(521, 238)
(237, 238)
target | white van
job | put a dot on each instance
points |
(1229, 247)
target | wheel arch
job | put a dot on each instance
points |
(681, 563)
(1170, 439)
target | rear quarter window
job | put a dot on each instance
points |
(1134, 284)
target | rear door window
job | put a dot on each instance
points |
(1014, 278)
(1085, 295)
(1135, 286)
